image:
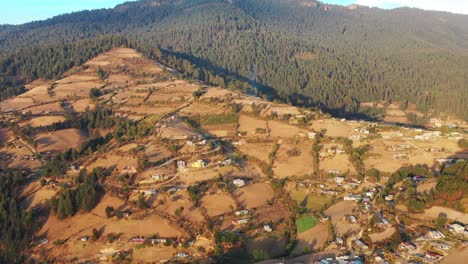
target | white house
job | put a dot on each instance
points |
(242, 212)
(181, 164)
(156, 176)
(456, 228)
(435, 234)
(150, 192)
(352, 197)
(339, 180)
(311, 135)
(444, 246)
(238, 183)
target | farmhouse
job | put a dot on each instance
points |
(267, 228)
(444, 246)
(199, 164)
(156, 176)
(242, 212)
(361, 244)
(240, 221)
(407, 246)
(433, 256)
(456, 228)
(352, 197)
(158, 240)
(311, 135)
(339, 180)
(181, 164)
(435, 234)
(238, 183)
(138, 240)
(150, 192)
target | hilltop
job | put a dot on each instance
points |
(123, 157)
(301, 52)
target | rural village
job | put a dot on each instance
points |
(127, 161)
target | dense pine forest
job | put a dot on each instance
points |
(300, 51)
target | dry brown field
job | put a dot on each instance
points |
(254, 195)
(121, 163)
(217, 92)
(179, 200)
(34, 194)
(286, 166)
(44, 121)
(337, 162)
(316, 237)
(387, 233)
(60, 140)
(198, 108)
(218, 204)
(221, 130)
(258, 150)
(280, 129)
(250, 124)
(193, 175)
(335, 128)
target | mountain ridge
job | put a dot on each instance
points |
(360, 55)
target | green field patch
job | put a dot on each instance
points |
(305, 223)
(309, 200)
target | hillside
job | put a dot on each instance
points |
(302, 52)
(123, 159)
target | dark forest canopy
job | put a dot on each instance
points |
(301, 51)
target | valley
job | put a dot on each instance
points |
(127, 160)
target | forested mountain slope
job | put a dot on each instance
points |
(301, 51)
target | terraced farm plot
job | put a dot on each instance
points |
(218, 204)
(179, 200)
(254, 127)
(260, 151)
(198, 108)
(312, 239)
(335, 128)
(338, 162)
(309, 199)
(305, 223)
(44, 121)
(59, 141)
(254, 195)
(122, 164)
(279, 129)
(297, 164)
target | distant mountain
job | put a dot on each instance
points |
(300, 51)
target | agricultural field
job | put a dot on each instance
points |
(312, 239)
(255, 195)
(279, 129)
(60, 140)
(254, 127)
(334, 128)
(305, 223)
(218, 204)
(184, 162)
(44, 121)
(309, 199)
(293, 160)
(260, 151)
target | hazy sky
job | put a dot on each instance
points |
(22, 11)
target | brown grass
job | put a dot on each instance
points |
(218, 204)
(59, 141)
(255, 195)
